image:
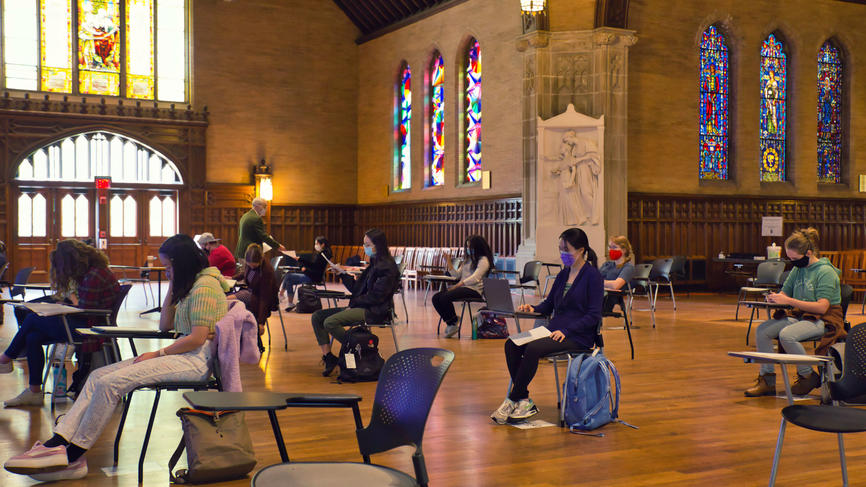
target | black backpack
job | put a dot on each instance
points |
(361, 347)
(308, 302)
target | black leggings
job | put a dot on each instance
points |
(523, 362)
(443, 301)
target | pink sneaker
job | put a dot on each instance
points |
(75, 470)
(38, 459)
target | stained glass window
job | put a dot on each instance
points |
(473, 114)
(403, 179)
(829, 114)
(144, 37)
(56, 48)
(773, 109)
(437, 122)
(713, 140)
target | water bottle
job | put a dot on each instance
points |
(59, 374)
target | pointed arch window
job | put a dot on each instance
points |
(774, 76)
(713, 139)
(403, 159)
(163, 216)
(123, 216)
(830, 70)
(436, 172)
(472, 121)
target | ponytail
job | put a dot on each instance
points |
(803, 240)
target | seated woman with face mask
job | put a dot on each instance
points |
(473, 270)
(814, 292)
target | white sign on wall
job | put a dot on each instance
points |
(771, 226)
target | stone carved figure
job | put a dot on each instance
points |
(577, 169)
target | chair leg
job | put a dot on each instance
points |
(47, 367)
(673, 298)
(739, 298)
(842, 460)
(556, 383)
(268, 328)
(778, 453)
(126, 403)
(394, 334)
(462, 312)
(283, 325)
(628, 332)
(405, 309)
(517, 322)
(749, 330)
(147, 438)
(427, 291)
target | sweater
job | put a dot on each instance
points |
(577, 311)
(472, 278)
(235, 341)
(251, 229)
(204, 305)
(222, 258)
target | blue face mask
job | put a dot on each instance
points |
(567, 259)
(368, 251)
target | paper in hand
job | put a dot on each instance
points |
(530, 336)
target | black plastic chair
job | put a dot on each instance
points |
(661, 276)
(21, 277)
(404, 395)
(529, 279)
(618, 297)
(833, 419)
(640, 286)
(767, 277)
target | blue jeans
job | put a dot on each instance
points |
(292, 279)
(790, 333)
(36, 331)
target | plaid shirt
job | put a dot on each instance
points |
(98, 289)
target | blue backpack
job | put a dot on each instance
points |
(588, 401)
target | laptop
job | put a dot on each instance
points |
(497, 292)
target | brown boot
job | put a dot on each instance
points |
(804, 385)
(765, 385)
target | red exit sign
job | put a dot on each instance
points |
(102, 182)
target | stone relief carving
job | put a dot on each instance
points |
(615, 70)
(529, 75)
(577, 171)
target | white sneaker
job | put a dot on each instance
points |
(38, 459)
(26, 398)
(75, 470)
(524, 410)
(451, 330)
(500, 416)
(6, 368)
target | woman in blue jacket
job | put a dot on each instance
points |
(574, 304)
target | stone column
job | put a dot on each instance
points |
(588, 69)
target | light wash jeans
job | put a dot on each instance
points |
(790, 333)
(105, 387)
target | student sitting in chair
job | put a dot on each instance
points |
(194, 304)
(80, 274)
(473, 270)
(312, 270)
(574, 302)
(218, 255)
(371, 301)
(260, 293)
(813, 290)
(617, 271)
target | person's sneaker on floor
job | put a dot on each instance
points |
(451, 330)
(39, 459)
(75, 470)
(26, 398)
(6, 368)
(804, 385)
(290, 307)
(524, 410)
(765, 385)
(500, 416)
(331, 361)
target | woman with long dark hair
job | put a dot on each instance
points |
(372, 295)
(194, 303)
(476, 266)
(312, 269)
(574, 307)
(78, 273)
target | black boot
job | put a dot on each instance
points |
(331, 361)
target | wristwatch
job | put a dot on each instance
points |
(162, 352)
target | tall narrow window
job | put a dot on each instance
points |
(139, 48)
(163, 216)
(829, 114)
(74, 216)
(436, 175)
(773, 109)
(56, 27)
(99, 47)
(122, 213)
(403, 173)
(713, 116)
(20, 45)
(472, 168)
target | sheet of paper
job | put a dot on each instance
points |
(266, 248)
(327, 260)
(530, 336)
(528, 425)
(290, 253)
(51, 309)
(231, 282)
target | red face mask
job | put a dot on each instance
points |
(614, 254)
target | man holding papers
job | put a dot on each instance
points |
(574, 305)
(251, 229)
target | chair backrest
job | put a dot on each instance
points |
(662, 268)
(497, 293)
(399, 260)
(642, 272)
(678, 267)
(853, 381)
(3, 270)
(407, 386)
(124, 290)
(847, 293)
(531, 270)
(769, 272)
(21, 277)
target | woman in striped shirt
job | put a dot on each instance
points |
(195, 302)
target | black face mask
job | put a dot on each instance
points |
(801, 262)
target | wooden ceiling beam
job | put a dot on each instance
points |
(357, 18)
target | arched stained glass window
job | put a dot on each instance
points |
(145, 37)
(773, 109)
(437, 122)
(403, 166)
(829, 114)
(472, 168)
(713, 140)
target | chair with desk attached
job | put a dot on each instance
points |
(767, 278)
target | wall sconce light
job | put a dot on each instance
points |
(532, 7)
(264, 186)
(534, 15)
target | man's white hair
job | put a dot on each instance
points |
(260, 202)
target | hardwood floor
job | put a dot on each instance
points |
(682, 390)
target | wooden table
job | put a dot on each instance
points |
(158, 270)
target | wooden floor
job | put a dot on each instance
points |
(682, 390)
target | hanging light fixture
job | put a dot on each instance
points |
(264, 186)
(532, 7)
